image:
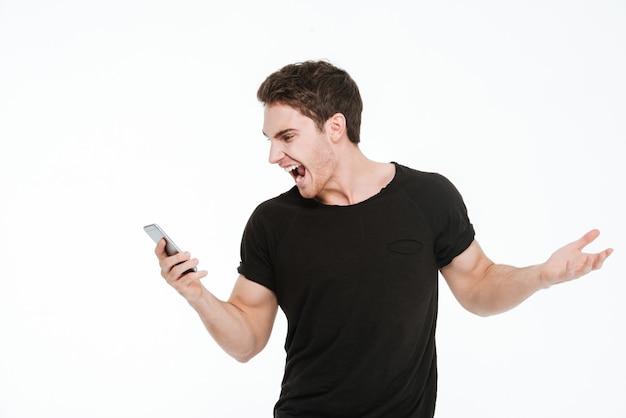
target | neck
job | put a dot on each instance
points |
(355, 179)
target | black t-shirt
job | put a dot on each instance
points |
(358, 285)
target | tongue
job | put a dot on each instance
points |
(300, 170)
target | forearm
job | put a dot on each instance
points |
(228, 326)
(502, 288)
(486, 288)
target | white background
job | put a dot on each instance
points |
(116, 114)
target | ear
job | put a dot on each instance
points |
(336, 127)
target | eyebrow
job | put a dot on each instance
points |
(280, 133)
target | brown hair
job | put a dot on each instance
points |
(318, 90)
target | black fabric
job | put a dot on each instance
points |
(358, 285)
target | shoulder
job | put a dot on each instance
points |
(443, 208)
(285, 201)
(277, 211)
(423, 184)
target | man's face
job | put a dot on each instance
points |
(299, 148)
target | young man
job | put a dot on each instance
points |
(351, 254)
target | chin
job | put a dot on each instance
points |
(306, 193)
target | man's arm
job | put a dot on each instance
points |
(485, 288)
(242, 325)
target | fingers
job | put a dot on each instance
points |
(586, 239)
(172, 268)
(159, 250)
(587, 264)
(589, 237)
(182, 269)
(175, 266)
(600, 257)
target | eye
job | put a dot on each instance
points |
(287, 137)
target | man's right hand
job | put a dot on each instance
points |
(243, 324)
(173, 271)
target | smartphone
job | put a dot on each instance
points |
(156, 233)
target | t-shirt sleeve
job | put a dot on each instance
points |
(452, 230)
(256, 261)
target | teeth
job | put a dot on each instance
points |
(291, 168)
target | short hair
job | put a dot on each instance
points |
(318, 90)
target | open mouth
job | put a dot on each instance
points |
(296, 171)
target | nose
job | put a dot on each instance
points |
(276, 152)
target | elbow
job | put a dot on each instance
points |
(481, 304)
(485, 310)
(243, 358)
(482, 310)
(477, 310)
(483, 313)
